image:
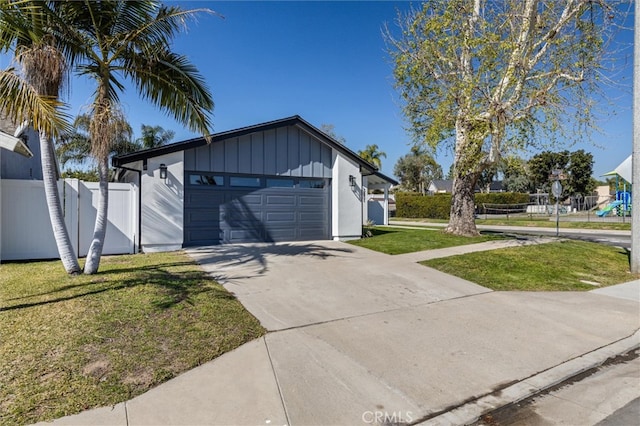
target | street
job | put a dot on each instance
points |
(606, 396)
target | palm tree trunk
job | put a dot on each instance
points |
(100, 229)
(60, 233)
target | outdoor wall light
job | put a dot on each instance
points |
(352, 181)
(163, 171)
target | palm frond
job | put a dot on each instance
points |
(76, 147)
(21, 102)
(160, 29)
(174, 84)
(20, 23)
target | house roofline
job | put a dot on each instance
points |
(295, 120)
(387, 178)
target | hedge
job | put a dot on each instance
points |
(438, 206)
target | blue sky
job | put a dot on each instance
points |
(327, 62)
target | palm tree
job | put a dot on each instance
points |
(373, 155)
(131, 39)
(33, 96)
(74, 146)
(154, 136)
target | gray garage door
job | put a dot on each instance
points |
(224, 208)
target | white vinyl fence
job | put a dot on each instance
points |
(25, 228)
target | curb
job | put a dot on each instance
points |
(471, 412)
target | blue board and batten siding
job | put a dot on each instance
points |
(295, 204)
(286, 151)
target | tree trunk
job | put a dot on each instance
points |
(60, 233)
(100, 229)
(462, 219)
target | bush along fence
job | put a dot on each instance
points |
(438, 206)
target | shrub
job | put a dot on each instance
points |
(500, 198)
(438, 206)
(423, 206)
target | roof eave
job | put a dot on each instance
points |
(14, 144)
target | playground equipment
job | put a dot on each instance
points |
(609, 208)
(621, 206)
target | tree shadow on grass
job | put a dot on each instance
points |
(175, 287)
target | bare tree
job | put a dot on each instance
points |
(491, 77)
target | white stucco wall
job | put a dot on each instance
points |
(162, 204)
(346, 201)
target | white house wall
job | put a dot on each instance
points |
(17, 166)
(346, 212)
(285, 151)
(163, 203)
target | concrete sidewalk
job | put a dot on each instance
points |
(359, 337)
(472, 248)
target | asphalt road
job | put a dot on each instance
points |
(606, 396)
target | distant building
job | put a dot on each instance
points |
(445, 186)
(17, 165)
(441, 186)
(496, 186)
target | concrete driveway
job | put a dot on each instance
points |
(290, 285)
(358, 334)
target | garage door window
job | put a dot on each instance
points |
(312, 183)
(280, 183)
(202, 179)
(244, 181)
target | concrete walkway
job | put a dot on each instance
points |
(359, 337)
(471, 248)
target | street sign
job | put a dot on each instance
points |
(556, 188)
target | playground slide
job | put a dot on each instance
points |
(608, 208)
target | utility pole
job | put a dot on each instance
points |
(635, 154)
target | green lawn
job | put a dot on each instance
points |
(68, 344)
(559, 266)
(400, 240)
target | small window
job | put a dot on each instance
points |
(206, 180)
(280, 183)
(312, 183)
(253, 182)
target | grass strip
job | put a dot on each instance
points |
(560, 266)
(401, 240)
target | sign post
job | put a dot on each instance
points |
(556, 189)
